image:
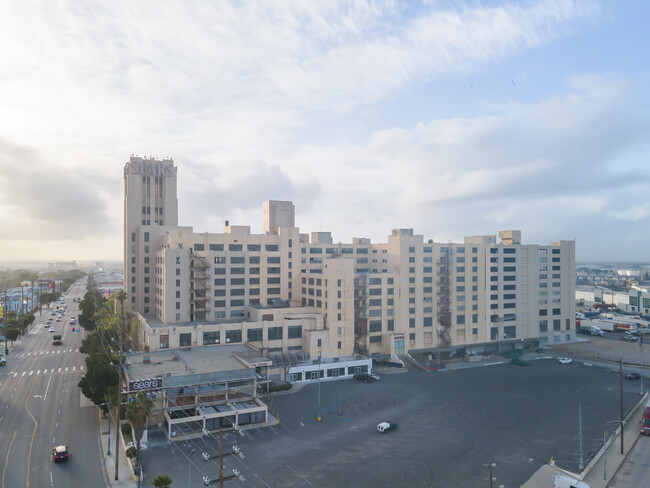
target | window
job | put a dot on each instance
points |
(237, 260)
(271, 247)
(412, 336)
(494, 333)
(543, 313)
(375, 339)
(210, 338)
(164, 341)
(235, 247)
(185, 339)
(556, 324)
(237, 271)
(237, 292)
(274, 333)
(543, 325)
(199, 247)
(295, 331)
(460, 319)
(254, 334)
(253, 247)
(216, 247)
(236, 303)
(509, 250)
(556, 311)
(374, 326)
(233, 336)
(509, 332)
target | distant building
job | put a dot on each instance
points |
(383, 300)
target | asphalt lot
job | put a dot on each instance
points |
(451, 426)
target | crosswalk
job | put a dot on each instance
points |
(63, 369)
(46, 353)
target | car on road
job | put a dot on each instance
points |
(365, 377)
(564, 360)
(633, 376)
(3, 361)
(629, 337)
(60, 454)
(386, 426)
(51, 329)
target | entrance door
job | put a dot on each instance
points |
(398, 346)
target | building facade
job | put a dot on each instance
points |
(384, 300)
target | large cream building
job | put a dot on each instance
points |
(408, 295)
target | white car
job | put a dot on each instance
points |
(51, 329)
(564, 360)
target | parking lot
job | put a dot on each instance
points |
(451, 426)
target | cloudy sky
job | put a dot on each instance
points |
(452, 119)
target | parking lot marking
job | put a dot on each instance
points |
(301, 476)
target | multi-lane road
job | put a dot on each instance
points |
(41, 406)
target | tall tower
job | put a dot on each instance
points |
(150, 209)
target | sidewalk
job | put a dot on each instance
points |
(125, 478)
(604, 465)
(612, 459)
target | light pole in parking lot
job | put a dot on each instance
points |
(581, 466)
(319, 359)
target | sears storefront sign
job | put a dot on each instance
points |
(146, 384)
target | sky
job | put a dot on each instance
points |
(451, 118)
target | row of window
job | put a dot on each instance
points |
(238, 247)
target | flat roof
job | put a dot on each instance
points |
(188, 361)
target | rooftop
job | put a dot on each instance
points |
(232, 360)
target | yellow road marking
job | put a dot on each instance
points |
(29, 456)
(7, 458)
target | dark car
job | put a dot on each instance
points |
(633, 376)
(60, 454)
(365, 377)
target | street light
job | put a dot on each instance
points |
(581, 466)
(319, 360)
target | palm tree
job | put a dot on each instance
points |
(137, 413)
(162, 481)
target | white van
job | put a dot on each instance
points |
(566, 481)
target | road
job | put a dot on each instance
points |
(41, 407)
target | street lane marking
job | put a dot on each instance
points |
(7, 458)
(74, 368)
(59, 370)
(29, 455)
(23, 373)
(66, 369)
(81, 368)
(47, 388)
(38, 372)
(31, 372)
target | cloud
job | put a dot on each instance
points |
(545, 167)
(44, 202)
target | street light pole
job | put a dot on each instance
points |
(319, 359)
(580, 421)
(620, 366)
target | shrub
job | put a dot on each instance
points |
(130, 452)
(280, 387)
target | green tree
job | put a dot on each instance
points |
(101, 378)
(162, 481)
(137, 413)
(12, 333)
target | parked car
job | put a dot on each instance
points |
(629, 337)
(365, 377)
(633, 376)
(564, 360)
(3, 361)
(60, 454)
(387, 426)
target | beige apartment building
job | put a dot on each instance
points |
(381, 300)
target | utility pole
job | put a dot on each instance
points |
(118, 426)
(620, 368)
